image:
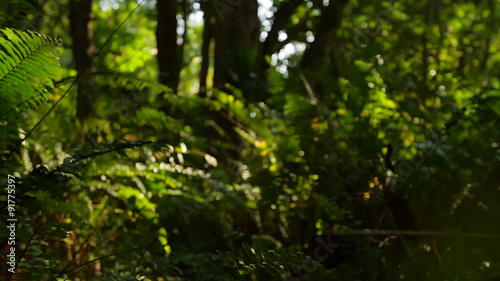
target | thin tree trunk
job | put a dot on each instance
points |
(208, 34)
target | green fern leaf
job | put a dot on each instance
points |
(258, 259)
(28, 64)
(16, 13)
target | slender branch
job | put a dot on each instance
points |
(347, 232)
(142, 256)
(28, 134)
(94, 260)
(74, 274)
(32, 237)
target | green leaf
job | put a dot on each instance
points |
(28, 64)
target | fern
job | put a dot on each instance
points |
(129, 81)
(258, 259)
(28, 64)
(13, 13)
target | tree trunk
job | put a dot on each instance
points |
(166, 39)
(83, 49)
(318, 51)
(208, 34)
(236, 31)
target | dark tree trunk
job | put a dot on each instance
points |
(237, 31)
(166, 39)
(83, 48)
(319, 51)
(234, 27)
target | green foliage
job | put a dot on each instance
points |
(160, 186)
(29, 64)
(14, 13)
(265, 263)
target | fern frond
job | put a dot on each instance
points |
(14, 13)
(28, 64)
(260, 260)
(130, 81)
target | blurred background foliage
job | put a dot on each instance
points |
(252, 140)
